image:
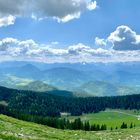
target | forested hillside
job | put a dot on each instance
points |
(43, 104)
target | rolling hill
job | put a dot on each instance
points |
(98, 88)
(103, 88)
(64, 78)
(38, 86)
(13, 129)
(12, 81)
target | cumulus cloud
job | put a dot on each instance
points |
(5, 21)
(123, 39)
(61, 10)
(100, 41)
(14, 49)
(78, 49)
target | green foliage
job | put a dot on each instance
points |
(131, 125)
(23, 104)
(42, 104)
(124, 125)
(13, 129)
(111, 117)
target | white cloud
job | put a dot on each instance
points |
(68, 17)
(5, 21)
(123, 39)
(61, 10)
(92, 5)
(14, 49)
(100, 42)
(78, 49)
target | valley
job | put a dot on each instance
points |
(95, 79)
(95, 93)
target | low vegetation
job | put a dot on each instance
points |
(111, 118)
(13, 129)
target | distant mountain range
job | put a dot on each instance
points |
(94, 79)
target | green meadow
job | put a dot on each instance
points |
(112, 118)
(13, 129)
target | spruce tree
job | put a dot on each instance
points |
(131, 125)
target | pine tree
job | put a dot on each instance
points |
(103, 127)
(93, 127)
(131, 125)
(86, 126)
(123, 126)
(97, 127)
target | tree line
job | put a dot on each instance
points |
(61, 123)
(49, 105)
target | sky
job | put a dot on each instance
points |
(70, 30)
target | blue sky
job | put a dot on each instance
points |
(99, 21)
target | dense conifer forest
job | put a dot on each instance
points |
(43, 104)
(45, 109)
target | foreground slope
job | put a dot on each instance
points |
(13, 129)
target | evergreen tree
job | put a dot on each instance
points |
(93, 127)
(103, 127)
(123, 126)
(97, 127)
(131, 125)
(86, 126)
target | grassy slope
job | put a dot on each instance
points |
(112, 118)
(14, 81)
(13, 129)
